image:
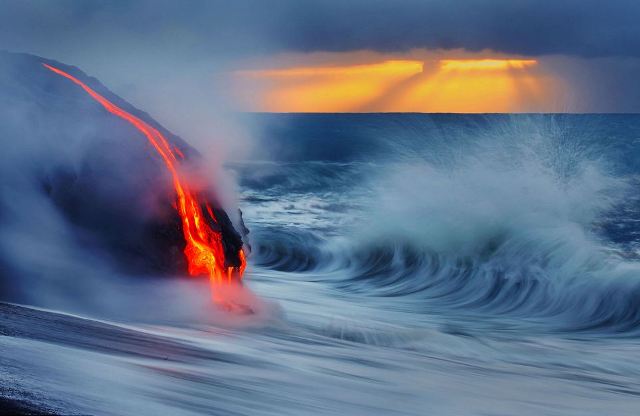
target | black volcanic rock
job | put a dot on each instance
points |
(98, 173)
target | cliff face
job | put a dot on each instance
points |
(72, 169)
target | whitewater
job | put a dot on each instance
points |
(406, 264)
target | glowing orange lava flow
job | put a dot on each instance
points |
(204, 250)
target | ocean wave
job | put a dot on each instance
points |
(289, 250)
(521, 229)
(534, 279)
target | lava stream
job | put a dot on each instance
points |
(204, 250)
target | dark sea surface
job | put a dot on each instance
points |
(410, 265)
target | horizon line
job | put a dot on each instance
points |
(442, 113)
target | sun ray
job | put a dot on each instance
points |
(445, 85)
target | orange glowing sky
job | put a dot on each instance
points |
(464, 85)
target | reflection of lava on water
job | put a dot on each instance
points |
(206, 250)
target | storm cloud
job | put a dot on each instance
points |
(173, 58)
(585, 28)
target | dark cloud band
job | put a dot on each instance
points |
(586, 28)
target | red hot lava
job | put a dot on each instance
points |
(204, 250)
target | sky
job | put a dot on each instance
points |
(192, 62)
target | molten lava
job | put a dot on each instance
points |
(204, 250)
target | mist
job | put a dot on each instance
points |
(395, 259)
(87, 222)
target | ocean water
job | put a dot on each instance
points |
(404, 264)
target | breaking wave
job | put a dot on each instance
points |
(526, 229)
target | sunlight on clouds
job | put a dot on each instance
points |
(325, 89)
(387, 68)
(440, 85)
(485, 64)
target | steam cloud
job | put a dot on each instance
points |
(84, 203)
